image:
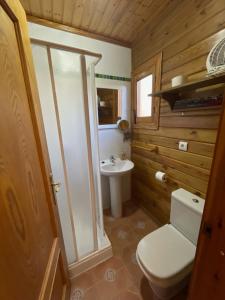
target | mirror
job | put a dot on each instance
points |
(109, 106)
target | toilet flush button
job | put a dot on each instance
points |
(195, 200)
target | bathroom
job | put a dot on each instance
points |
(126, 105)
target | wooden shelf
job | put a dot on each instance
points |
(175, 94)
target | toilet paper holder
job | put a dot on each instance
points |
(161, 176)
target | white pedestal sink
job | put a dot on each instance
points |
(115, 171)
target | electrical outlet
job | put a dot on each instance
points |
(183, 146)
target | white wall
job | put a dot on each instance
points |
(116, 61)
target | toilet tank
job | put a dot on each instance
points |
(186, 213)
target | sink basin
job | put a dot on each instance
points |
(115, 172)
(120, 167)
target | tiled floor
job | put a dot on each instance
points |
(119, 278)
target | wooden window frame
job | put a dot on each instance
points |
(152, 66)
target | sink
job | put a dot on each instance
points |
(115, 171)
(120, 167)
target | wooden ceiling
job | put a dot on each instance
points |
(117, 20)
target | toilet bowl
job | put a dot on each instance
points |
(166, 255)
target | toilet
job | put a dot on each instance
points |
(166, 255)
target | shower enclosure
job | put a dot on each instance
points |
(67, 92)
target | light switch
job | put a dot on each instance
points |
(183, 146)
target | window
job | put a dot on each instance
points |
(109, 106)
(144, 101)
(146, 80)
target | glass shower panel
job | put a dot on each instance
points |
(69, 92)
(55, 152)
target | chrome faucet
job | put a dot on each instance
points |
(112, 159)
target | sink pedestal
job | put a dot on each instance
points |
(115, 183)
(115, 170)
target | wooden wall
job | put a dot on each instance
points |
(185, 35)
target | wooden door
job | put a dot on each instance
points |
(32, 259)
(208, 279)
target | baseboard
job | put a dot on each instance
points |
(90, 261)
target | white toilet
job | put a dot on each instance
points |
(166, 255)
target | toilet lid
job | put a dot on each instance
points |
(165, 252)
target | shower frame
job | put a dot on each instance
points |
(98, 255)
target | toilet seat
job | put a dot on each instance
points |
(165, 256)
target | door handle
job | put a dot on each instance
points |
(55, 185)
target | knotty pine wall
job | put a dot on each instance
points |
(185, 35)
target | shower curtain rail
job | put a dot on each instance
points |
(66, 48)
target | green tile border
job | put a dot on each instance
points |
(103, 76)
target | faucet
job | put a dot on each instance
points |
(112, 159)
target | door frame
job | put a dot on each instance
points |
(16, 12)
(208, 275)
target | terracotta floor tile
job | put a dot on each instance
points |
(122, 236)
(122, 226)
(139, 214)
(127, 295)
(143, 226)
(91, 294)
(128, 253)
(135, 272)
(107, 268)
(84, 281)
(113, 284)
(120, 277)
(134, 289)
(110, 222)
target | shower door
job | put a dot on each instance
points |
(62, 82)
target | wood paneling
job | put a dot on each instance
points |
(185, 36)
(119, 20)
(70, 29)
